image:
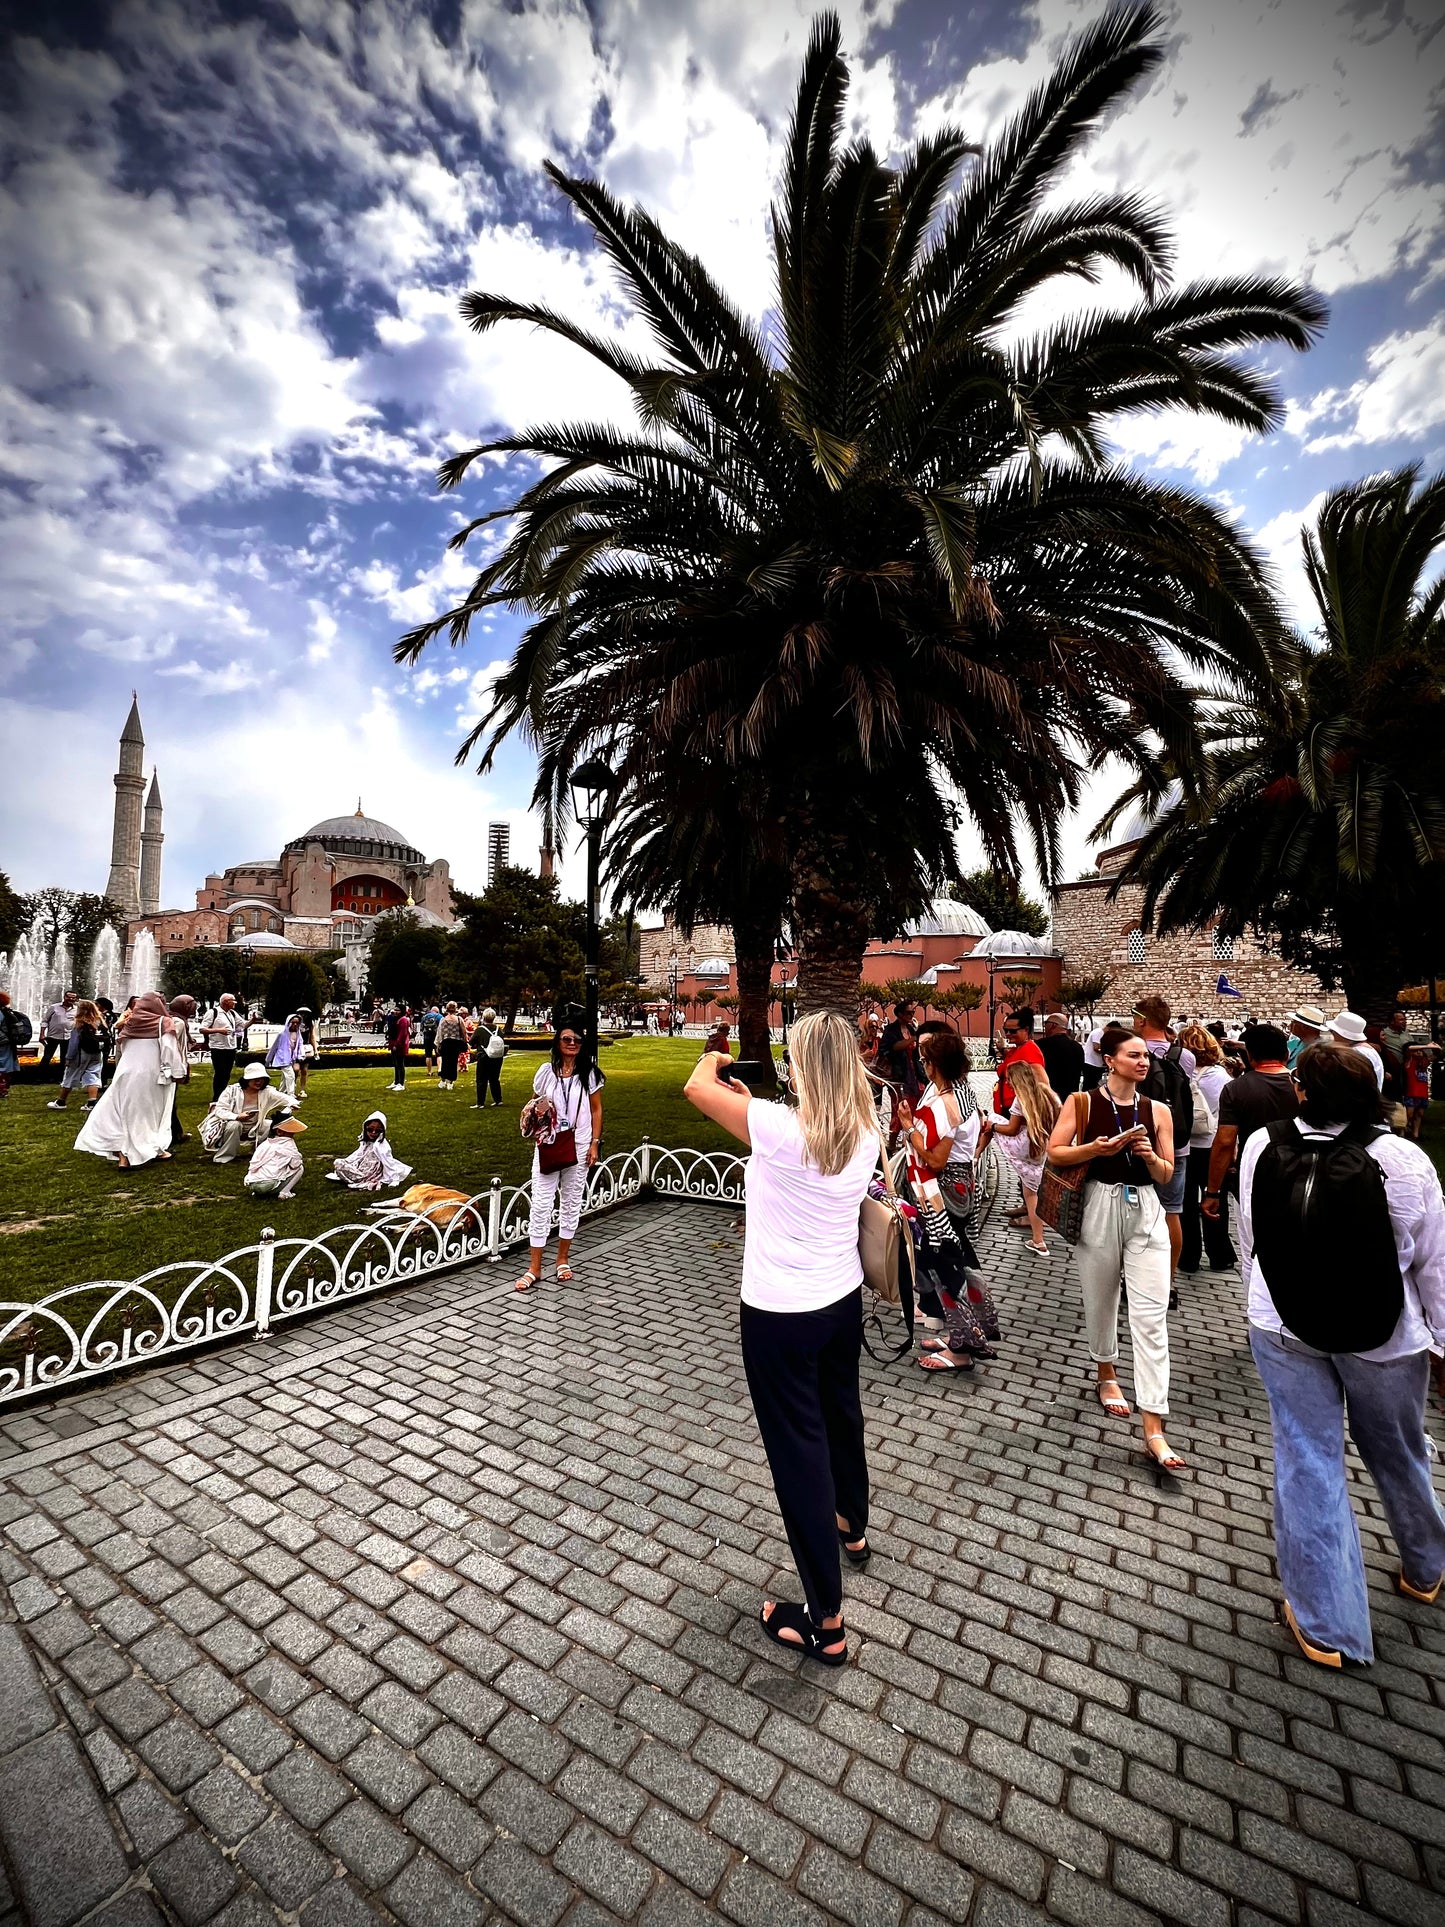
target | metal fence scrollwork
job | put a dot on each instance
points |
(85, 1331)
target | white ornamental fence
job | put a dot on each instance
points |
(86, 1331)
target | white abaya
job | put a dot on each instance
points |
(133, 1116)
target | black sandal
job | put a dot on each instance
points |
(791, 1618)
(855, 1557)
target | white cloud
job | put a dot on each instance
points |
(1281, 543)
(1402, 399)
(215, 679)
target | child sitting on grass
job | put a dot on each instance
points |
(372, 1164)
(276, 1167)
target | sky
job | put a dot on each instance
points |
(233, 238)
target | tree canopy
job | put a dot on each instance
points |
(1001, 903)
(519, 942)
(1322, 823)
(877, 567)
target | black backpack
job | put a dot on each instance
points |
(1169, 1082)
(19, 1027)
(1323, 1238)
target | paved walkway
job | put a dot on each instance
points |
(442, 1611)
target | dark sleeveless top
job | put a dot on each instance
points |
(1123, 1167)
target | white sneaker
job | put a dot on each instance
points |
(56, 1105)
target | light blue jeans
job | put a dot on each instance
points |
(1317, 1540)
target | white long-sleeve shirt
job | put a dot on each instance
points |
(1417, 1218)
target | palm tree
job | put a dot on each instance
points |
(1323, 824)
(697, 842)
(875, 562)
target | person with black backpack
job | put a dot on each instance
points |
(15, 1030)
(1342, 1247)
(1170, 1082)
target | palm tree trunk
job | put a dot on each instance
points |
(830, 921)
(754, 944)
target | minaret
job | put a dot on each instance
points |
(124, 885)
(150, 851)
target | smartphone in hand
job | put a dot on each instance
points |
(760, 1078)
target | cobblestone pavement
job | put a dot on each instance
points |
(443, 1611)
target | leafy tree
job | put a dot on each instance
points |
(294, 981)
(1001, 903)
(1020, 993)
(12, 914)
(205, 973)
(962, 997)
(878, 565)
(80, 914)
(519, 942)
(911, 990)
(1323, 826)
(1085, 992)
(408, 959)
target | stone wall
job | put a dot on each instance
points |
(703, 941)
(1093, 932)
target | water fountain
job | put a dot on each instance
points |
(107, 968)
(57, 975)
(26, 974)
(145, 973)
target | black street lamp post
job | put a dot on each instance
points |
(592, 787)
(672, 1006)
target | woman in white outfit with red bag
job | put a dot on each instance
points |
(564, 1121)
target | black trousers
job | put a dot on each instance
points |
(1200, 1233)
(48, 1047)
(222, 1064)
(802, 1371)
(489, 1077)
(451, 1050)
(398, 1066)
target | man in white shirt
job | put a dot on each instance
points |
(55, 1030)
(1348, 1028)
(224, 1029)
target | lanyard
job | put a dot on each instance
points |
(1132, 1156)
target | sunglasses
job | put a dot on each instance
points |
(570, 1043)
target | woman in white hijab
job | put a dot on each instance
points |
(373, 1163)
(132, 1120)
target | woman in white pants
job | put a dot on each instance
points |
(1127, 1141)
(566, 1096)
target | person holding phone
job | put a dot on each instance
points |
(566, 1098)
(1127, 1141)
(801, 1318)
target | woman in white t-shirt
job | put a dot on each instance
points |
(566, 1096)
(801, 1320)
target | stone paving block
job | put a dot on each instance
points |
(308, 1790)
(371, 1846)
(135, 1909)
(329, 1725)
(524, 1808)
(178, 1753)
(425, 1894)
(994, 1854)
(149, 1817)
(613, 1874)
(522, 1885)
(902, 1862)
(254, 1738)
(602, 1795)
(285, 1862)
(226, 1806)
(55, 1831)
(754, 1898)
(25, 1708)
(600, 1732)
(448, 1826)
(681, 1850)
(526, 1743)
(193, 1878)
(674, 1778)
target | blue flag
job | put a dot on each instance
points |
(1224, 988)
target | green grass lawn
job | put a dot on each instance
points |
(68, 1217)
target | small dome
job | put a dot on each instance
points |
(261, 940)
(1141, 819)
(946, 917)
(1013, 943)
(712, 967)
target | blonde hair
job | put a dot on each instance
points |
(835, 1103)
(1037, 1101)
(1202, 1042)
(87, 1013)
